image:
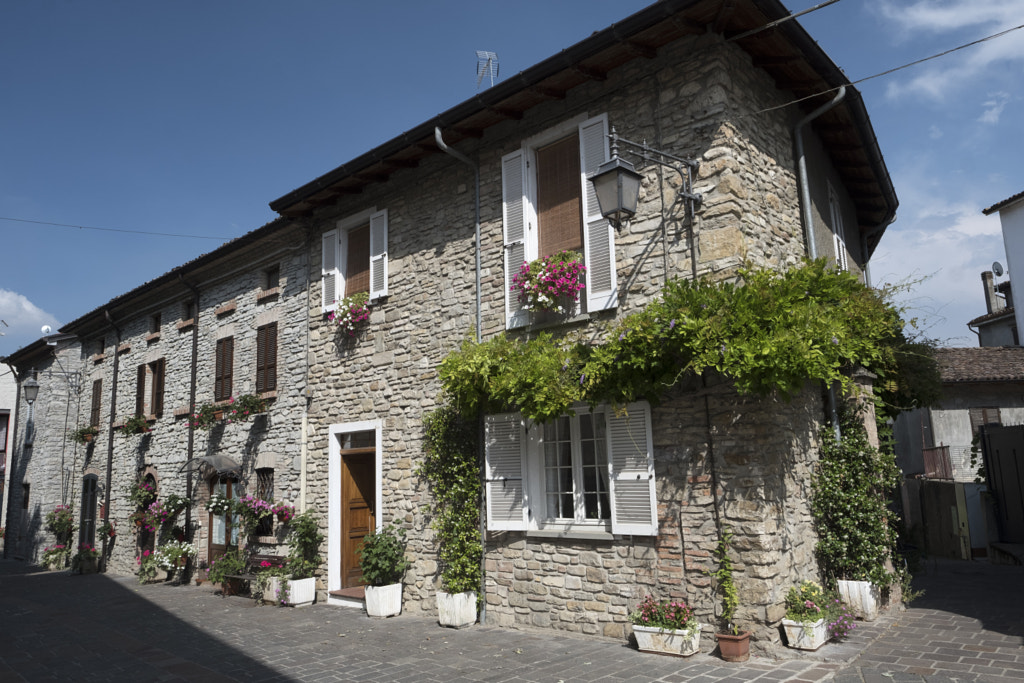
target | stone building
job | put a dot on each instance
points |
(228, 323)
(695, 79)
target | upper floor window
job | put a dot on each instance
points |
(223, 366)
(355, 258)
(549, 205)
(154, 323)
(97, 402)
(271, 278)
(591, 472)
(838, 235)
(188, 309)
(151, 376)
(266, 357)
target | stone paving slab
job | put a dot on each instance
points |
(57, 626)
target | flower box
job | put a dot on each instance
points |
(682, 643)
(301, 592)
(862, 596)
(805, 635)
(456, 610)
(384, 601)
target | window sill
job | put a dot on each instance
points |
(559, 322)
(268, 395)
(98, 357)
(266, 294)
(124, 348)
(152, 337)
(180, 412)
(576, 534)
(185, 324)
(229, 307)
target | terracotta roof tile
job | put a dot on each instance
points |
(981, 364)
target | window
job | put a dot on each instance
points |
(25, 490)
(223, 366)
(984, 416)
(265, 491)
(188, 310)
(271, 277)
(140, 391)
(548, 205)
(154, 323)
(355, 258)
(592, 472)
(156, 389)
(97, 402)
(101, 346)
(5, 421)
(87, 529)
(266, 358)
(838, 236)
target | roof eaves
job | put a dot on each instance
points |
(1003, 204)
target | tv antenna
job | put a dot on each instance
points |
(486, 65)
(997, 268)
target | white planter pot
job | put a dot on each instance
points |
(862, 596)
(805, 635)
(668, 641)
(384, 601)
(456, 610)
(301, 592)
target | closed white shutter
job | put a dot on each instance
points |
(504, 456)
(329, 275)
(598, 234)
(631, 461)
(513, 187)
(379, 254)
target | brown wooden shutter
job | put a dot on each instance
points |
(266, 357)
(559, 217)
(222, 375)
(157, 395)
(140, 390)
(983, 416)
(357, 263)
(97, 402)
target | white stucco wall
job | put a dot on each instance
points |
(1012, 219)
(8, 396)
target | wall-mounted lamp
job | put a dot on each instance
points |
(617, 184)
(30, 387)
(30, 390)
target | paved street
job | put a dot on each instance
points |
(56, 626)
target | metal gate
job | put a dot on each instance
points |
(1003, 449)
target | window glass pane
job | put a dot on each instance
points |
(594, 467)
(558, 468)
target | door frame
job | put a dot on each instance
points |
(334, 490)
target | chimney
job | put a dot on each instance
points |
(993, 302)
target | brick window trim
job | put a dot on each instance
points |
(152, 337)
(265, 294)
(226, 308)
(124, 348)
(183, 325)
(97, 357)
(268, 395)
(180, 412)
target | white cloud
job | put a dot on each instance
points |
(934, 132)
(994, 107)
(24, 321)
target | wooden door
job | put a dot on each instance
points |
(223, 528)
(358, 494)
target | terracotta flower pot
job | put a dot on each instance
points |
(734, 648)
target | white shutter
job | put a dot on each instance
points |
(379, 254)
(513, 188)
(631, 464)
(598, 234)
(504, 456)
(329, 275)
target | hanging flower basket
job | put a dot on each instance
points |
(551, 283)
(350, 313)
(206, 417)
(136, 424)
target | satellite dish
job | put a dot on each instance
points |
(997, 268)
(486, 65)
(46, 330)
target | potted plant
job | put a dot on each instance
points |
(61, 522)
(349, 313)
(382, 561)
(285, 512)
(56, 556)
(666, 627)
(206, 417)
(733, 644)
(245, 406)
(106, 528)
(219, 504)
(86, 560)
(136, 424)
(251, 510)
(295, 584)
(84, 434)
(550, 283)
(450, 465)
(142, 492)
(173, 555)
(806, 624)
(228, 564)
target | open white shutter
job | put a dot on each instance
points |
(513, 191)
(329, 275)
(598, 234)
(504, 455)
(379, 254)
(631, 464)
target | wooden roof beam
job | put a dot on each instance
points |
(592, 74)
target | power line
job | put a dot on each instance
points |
(772, 24)
(894, 69)
(134, 232)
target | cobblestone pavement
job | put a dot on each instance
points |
(57, 626)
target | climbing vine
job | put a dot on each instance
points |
(767, 332)
(450, 465)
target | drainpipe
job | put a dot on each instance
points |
(805, 200)
(191, 404)
(110, 434)
(307, 395)
(480, 427)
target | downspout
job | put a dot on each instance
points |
(805, 200)
(110, 436)
(479, 333)
(191, 405)
(307, 396)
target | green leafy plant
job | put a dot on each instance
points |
(252, 510)
(83, 434)
(219, 504)
(230, 563)
(168, 555)
(61, 523)
(350, 313)
(205, 417)
(56, 556)
(86, 551)
(136, 424)
(726, 585)
(106, 528)
(450, 465)
(849, 503)
(382, 556)
(304, 539)
(543, 282)
(142, 492)
(667, 614)
(148, 566)
(244, 407)
(806, 603)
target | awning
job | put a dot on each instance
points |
(222, 465)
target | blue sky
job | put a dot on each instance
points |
(189, 117)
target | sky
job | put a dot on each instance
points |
(189, 118)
